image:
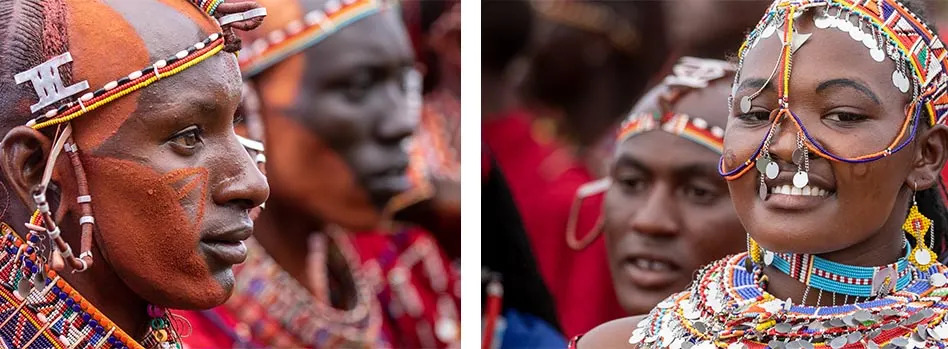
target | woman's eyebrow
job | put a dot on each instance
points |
(753, 84)
(851, 84)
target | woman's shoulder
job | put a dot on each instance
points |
(613, 334)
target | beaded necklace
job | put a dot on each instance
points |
(56, 315)
(728, 307)
(279, 311)
(839, 278)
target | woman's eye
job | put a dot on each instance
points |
(759, 116)
(188, 138)
(846, 117)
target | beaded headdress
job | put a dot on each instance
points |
(592, 18)
(887, 29)
(300, 34)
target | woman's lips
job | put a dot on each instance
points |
(229, 252)
(789, 197)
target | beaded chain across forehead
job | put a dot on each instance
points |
(887, 29)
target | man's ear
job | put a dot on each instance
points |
(23, 153)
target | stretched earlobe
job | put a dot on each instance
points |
(23, 153)
(930, 157)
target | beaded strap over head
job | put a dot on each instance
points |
(300, 34)
(682, 125)
(887, 29)
(134, 81)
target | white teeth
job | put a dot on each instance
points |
(641, 263)
(651, 265)
(787, 189)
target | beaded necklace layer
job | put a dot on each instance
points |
(38, 309)
(279, 311)
(839, 278)
(728, 307)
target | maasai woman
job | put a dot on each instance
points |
(336, 88)
(124, 110)
(591, 65)
(833, 156)
(667, 212)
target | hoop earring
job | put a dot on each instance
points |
(917, 225)
(585, 191)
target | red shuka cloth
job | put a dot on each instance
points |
(543, 179)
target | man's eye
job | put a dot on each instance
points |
(187, 138)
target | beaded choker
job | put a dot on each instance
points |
(38, 309)
(303, 33)
(849, 280)
(727, 306)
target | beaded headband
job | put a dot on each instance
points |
(207, 6)
(301, 34)
(115, 89)
(682, 125)
(888, 29)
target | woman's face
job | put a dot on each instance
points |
(171, 185)
(848, 102)
(336, 146)
(667, 212)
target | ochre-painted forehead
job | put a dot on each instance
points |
(106, 46)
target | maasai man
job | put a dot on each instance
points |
(124, 109)
(339, 97)
(592, 62)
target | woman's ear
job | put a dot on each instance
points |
(930, 156)
(23, 153)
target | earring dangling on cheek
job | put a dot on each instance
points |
(766, 166)
(917, 225)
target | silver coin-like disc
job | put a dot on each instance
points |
(772, 170)
(768, 31)
(854, 337)
(797, 156)
(39, 281)
(856, 34)
(24, 287)
(768, 257)
(900, 81)
(938, 280)
(869, 41)
(745, 104)
(877, 54)
(637, 336)
(676, 344)
(822, 22)
(762, 164)
(900, 342)
(838, 342)
(737, 345)
(923, 256)
(845, 25)
(801, 179)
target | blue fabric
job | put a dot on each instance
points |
(527, 331)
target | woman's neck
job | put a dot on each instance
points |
(880, 249)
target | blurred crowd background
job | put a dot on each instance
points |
(558, 78)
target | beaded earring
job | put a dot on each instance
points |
(917, 225)
(755, 252)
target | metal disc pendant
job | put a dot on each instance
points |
(768, 257)
(762, 191)
(768, 31)
(938, 280)
(869, 41)
(39, 281)
(838, 342)
(801, 179)
(822, 22)
(923, 256)
(901, 81)
(762, 164)
(856, 34)
(24, 287)
(877, 54)
(797, 156)
(845, 25)
(772, 170)
(637, 336)
(745, 104)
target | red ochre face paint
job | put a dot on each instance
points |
(150, 231)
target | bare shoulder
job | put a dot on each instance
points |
(613, 334)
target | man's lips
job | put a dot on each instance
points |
(650, 270)
(228, 246)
